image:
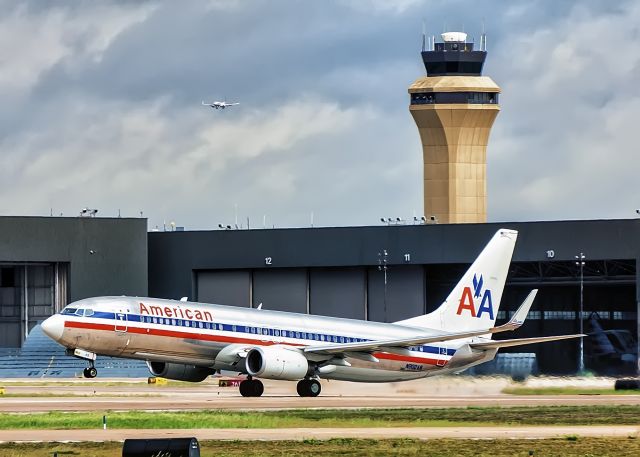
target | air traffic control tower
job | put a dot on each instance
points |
(454, 107)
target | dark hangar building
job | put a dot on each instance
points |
(340, 272)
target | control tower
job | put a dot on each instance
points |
(454, 107)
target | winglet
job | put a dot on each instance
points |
(520, 315)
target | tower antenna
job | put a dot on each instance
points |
(483, 38)
(424, 35)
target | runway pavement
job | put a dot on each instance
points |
(181, 401)
(298, 434)
(428, 393)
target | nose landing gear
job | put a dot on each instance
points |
(90, 372)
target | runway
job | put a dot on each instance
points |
(428, 393)
(299, 434)
(275, 402)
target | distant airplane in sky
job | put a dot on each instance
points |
(190, 341)
(219, 105)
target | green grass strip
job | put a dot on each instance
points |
(566, 447)
(566, 391)
(544, 415)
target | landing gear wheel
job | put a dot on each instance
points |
(309, 388)
(251, 388)
(90, 372)
(258, 388)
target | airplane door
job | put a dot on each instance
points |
(442, 351)
(121, 322)
(122, 337)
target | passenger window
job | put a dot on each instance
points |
(173, 322)
(277, 332)
(234, 328)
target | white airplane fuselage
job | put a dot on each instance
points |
(212, 335)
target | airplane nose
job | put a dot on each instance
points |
(53, 327)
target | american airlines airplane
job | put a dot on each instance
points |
(189, 341)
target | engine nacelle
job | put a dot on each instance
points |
(276, 363)
(179, 371)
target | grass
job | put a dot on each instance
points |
(542, 415)
(566, 391)
(568, 447)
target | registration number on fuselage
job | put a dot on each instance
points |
(413, 367)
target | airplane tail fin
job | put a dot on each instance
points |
(474, 302)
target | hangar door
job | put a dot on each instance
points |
(405, 295)
(29, 293)
(281, 289)
(338, 292)
(224, 287)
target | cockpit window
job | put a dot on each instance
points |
(78, 312)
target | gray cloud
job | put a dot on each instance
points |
(103, 108)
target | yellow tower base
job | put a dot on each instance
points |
(454, 142)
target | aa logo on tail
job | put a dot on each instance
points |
(468, 299)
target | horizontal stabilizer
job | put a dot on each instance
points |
(521, 341)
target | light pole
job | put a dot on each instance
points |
(382, 266)
(580, 263)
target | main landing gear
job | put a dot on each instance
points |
(251, 387)
(309, 388)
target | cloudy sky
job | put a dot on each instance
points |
(101, 108)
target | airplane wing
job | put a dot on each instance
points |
(522, 341)
(397, 344)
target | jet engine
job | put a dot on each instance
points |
(276, 363)
(179, 371)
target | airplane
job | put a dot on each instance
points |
(219, 105)
(189, 341)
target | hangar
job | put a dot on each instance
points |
(46, 262)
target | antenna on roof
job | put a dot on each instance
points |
(483, 38)
(424, 35)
